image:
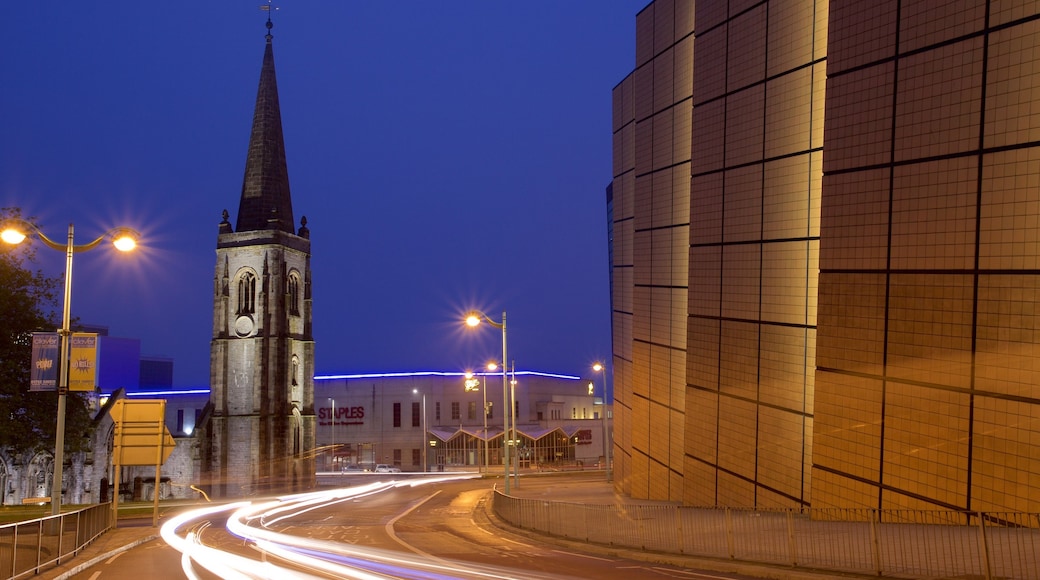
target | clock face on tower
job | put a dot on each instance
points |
(243, 326)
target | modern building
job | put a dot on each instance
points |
(825, 269)
(258, 430)
(432, 421)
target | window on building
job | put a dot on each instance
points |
(294, 294)
(246, 294)
(180, 421)
(416, 457)
(397, 458)
(456, 412)
(471, 412)
(416, 415)
(437, 412)
(397, 414)
(491, 410)
(574, 413)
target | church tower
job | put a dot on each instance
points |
(258, 430)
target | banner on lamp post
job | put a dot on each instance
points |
(83, 361)
(44, 373)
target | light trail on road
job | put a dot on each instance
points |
(282, 555)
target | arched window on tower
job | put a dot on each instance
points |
(247, 294)
(294, 294)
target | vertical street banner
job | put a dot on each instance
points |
(83, 362)
(44, 373)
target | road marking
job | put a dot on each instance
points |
(95, 575)
(389, 527)
(577, 555)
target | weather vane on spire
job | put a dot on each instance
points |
(269, 8)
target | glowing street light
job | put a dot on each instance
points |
(14, 231)
(474, 319)
(606, 442)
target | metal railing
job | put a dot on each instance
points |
(900, 543)
(28, 547)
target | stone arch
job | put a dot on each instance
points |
(39, 475)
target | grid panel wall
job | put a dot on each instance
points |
(847, 432)
(709, 78)
(664, 80)
(785, 278)
(746, 50)
(1007, 355)
(698, 483)
(702, 362)
(738, 431)
(851, 328)
(1010, 213)
(933, 215)
(702, 431)
(950, 75)
(858, 131)
(734, 490)
(738, 367)
(930, 328)
(789, 107)
(706, 196)
(741, 273)
(708, 132)
(780, 449)
(926, 442)
(705, 290)
(1004, 458)
(929, 23)
(790, 36)
(683, 71)
(745, 126)
(854, 220)
(1004, 11)
(861, 33)
(786, 367)
(742, 216)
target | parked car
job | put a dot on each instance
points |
(353, 469)
(384, 468)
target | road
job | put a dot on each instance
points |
(443, 525)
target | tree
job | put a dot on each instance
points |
(29, 302)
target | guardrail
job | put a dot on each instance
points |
(918, 544)
(28, 547)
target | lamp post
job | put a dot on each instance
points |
(14, 231)
(333, 446)
(603, 418)
(425, 436)
(474, 318)
(490, 366)
(512, 422)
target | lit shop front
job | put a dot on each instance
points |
(433, 421)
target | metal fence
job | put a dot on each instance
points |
(28, 547)
(900, 543)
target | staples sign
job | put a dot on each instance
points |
(344, 416)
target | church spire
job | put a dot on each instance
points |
(266, 203)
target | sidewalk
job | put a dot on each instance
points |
(129, 534)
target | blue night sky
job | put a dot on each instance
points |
(447, 155)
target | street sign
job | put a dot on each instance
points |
(141, 436)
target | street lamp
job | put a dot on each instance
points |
(512, 421)
(473, 319)
(14, 231)
(606, 443)
(425, 435)
(333, 446)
